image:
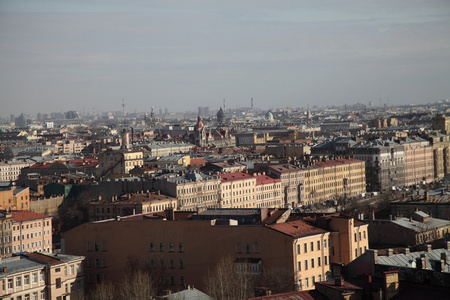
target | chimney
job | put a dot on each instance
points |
(158, 192)
(428, 247)
(339, 281)
(99, 198)
(170, 214)
(427, 195)
(406, 251)
(439, 265)
(389, 252)
(444, 257)
(447, 245)
(128, 196)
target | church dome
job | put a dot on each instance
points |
(221, 116)
(269, 115)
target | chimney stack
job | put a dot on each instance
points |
(444, 257)
(389, 252)
(339, 281)
(428, 247)
(406, 251)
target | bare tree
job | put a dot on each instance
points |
(279, 280)
(139, 286)
(103, 291)
(227, 282)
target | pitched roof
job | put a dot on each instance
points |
(26, 215)
(296, 229)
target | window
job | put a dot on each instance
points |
(298, 249)
(306, 282)
(58, 283)
(364, 234)
(359, 235)
(171, 263)
(312, 262)
(318, 245)
(18, 281)
(324, 244)
(355, 236)
(71, 269)
(27, 297)
(299, 266)
(306, 265)
(152, 247)
(320, 277)
(58, 270)
(305, 247)
(42, 276)
(313, 280)
(34, 278)
(96, 246)
(172, 280)
(329, 243)
(161, 247)
(26, 279)
(312, 246)
(171, 247)
(42, 295)
(181, 263)
(35, 296)
(325, 259)
(356, 251)
(181, 280)
(318, 261)
(180, 247)
(10, 283)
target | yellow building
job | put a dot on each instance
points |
(332, 179)
(119, 162)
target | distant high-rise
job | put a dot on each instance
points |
(166, 111)
(203, 111)
(11, 118)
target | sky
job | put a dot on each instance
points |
(88, 55)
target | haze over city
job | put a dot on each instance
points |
(89, 55)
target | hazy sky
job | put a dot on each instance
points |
(89, 54)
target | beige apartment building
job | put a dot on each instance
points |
(419, 164)
(291, 182)
(268, 191)
(6, 226)
(10, 171)
(237, 190)
(119, 162)
(31, 232)
(36, 276)
(332, 179)
(191, 190)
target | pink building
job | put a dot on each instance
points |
(32, 232)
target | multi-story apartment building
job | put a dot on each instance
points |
(188, 249)
(119, 162)
(191, 190)
(41, 276)
(332, 179)
(21, 199)
(441, 153)
(31, 232)
(268, 191)
(419, 165)
(237, 190)
(129, 204)
(291, 182)
(6, 223)
(15, 198)
(10, 171)
(385, 163)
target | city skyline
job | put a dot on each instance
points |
(60, 56)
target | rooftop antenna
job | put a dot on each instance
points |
(123, 112)
(224, 109)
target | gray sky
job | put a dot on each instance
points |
(89, 54)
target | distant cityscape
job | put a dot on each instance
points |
(336, 202)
